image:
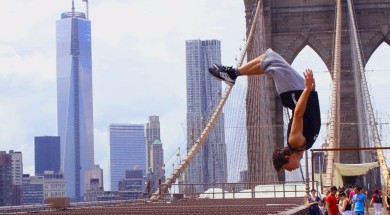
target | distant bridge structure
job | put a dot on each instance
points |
(344, 33)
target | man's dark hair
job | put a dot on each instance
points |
(333, 188)
(278, 157)
(357, 187)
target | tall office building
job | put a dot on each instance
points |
(96, 174)
(157, 158)
(127, 149)
(94, 190)
(54, 184)
(94, 183)
(74, 99)
(152, 132)
(203, 94)
(47, 154)
(133, 185)
(157, 164)
(33, 189)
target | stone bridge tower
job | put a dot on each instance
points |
(287, 27)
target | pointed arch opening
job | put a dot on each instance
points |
(308, 58)
(377, 72)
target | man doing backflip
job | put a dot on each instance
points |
(296, 93)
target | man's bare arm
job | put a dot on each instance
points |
(296, 138)
(328, 208)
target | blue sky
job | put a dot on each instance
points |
(138, 50)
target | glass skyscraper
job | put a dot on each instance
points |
(47, 154)
(74, 99)
(203, 94)
(127, 149)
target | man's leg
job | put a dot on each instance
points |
(229, 74)
(285, 77)
(378, 208)
(252, 67)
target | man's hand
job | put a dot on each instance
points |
(310, 83)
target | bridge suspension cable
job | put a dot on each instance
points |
(335, 105)
(201, 140)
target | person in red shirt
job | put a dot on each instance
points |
(377, 201)
(331, 202)
(351, 193)
(387, 202)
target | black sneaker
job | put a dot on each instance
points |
(223, 73)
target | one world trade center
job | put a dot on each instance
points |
(74, 99)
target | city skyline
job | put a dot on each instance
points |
(28, 68)
(137, 72)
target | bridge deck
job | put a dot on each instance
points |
(200, 206)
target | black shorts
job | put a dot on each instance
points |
(311, 117)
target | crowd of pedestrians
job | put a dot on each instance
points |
(348, 200)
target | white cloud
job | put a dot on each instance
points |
(33, 68)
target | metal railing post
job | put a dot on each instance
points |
(223, 191)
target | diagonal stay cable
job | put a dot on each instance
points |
(335, 107)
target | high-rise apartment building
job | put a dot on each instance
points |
(203, 94)
(5, 179)
(17, 167)
(74, 99)
(152, 132)
(127, 149)
(17, 177)
(47, 154)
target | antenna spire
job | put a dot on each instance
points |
(86, 3)
(72, 8)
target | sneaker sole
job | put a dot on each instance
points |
(214, 72)
(221, 79)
